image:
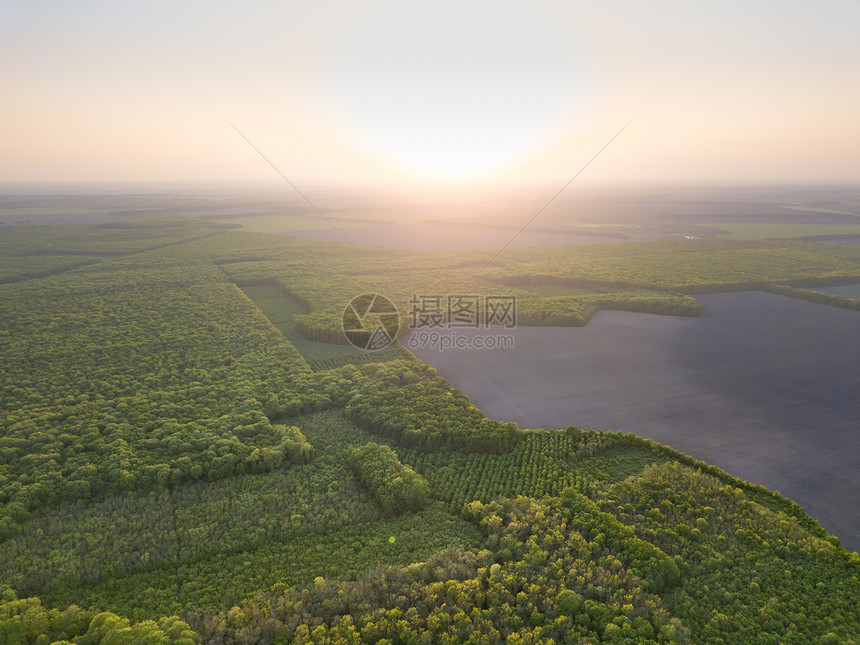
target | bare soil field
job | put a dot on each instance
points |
(763, 386)
(847, 290)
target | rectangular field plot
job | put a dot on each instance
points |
(280, 308)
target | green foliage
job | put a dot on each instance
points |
(431, 415)
(132, 236)
(771, 500)
(27, 621)
(602, 529)
(113, 384)
(689, 266)
(286, 311)
(739, 559)
(395, 487)
(466, 597)
(576, 311)
(562, 569)
(833, 300)
(14, 269)
(397, 353)
(651, 277)
(150, 554)
(542, 463)
(167, 454)
(228, 577)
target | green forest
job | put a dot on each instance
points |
(191, 452)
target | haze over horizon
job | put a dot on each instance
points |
(412, 93)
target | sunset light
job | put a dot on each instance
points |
(421, 91)
(456, 90)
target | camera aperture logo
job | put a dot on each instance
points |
(371, 322)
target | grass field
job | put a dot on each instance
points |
(280, 308)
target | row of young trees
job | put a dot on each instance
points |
(394, 486)
(542, 463)
(810, 295)
(431, 415)
(577, 310)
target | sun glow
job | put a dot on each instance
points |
(453, 90)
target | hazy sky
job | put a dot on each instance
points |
(362, 90)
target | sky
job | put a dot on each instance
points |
(433, 93)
